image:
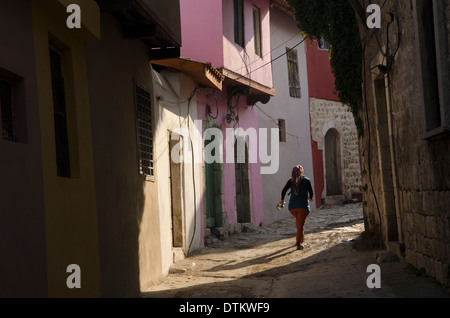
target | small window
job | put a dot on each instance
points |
(433, 53)
(294, 78)
(430, 68)
(6, 94)
(144, 132)
(282, 128)
(322, 44)
(239, 22)
(60, 115)
(13, 121)
(257, 30)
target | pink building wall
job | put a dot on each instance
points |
(207, 28)
(208, 36)
(248, 119)
(244, 61)
(202, 31)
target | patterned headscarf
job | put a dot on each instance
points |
(297, 175)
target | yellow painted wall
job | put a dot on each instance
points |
(90, 16)
(70, 204)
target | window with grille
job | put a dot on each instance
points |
(294, 78)
(6, 110)
(144, 132)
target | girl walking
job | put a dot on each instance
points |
(299, 202)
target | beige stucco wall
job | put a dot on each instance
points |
(129, 227)
(89, 15)
(23, 265)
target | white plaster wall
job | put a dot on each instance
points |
(171, 92)
(297, 149)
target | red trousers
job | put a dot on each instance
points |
(300, 216)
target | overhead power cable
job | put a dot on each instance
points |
(273, 60)
(271, 51)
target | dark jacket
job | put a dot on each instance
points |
(299, 201)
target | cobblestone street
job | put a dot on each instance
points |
(264, 263)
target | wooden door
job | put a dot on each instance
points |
(176, 199)
(242, 187)
(331, 163)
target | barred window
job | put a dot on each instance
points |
(144, 132)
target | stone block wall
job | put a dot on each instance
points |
(327, 115)
(420, 166)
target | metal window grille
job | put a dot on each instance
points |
(144, 132)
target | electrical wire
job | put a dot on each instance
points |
(278, 125)
(271, 51)
(273, 60)
(193, 171)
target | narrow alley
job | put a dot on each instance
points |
(144, 146)
(264, 263)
